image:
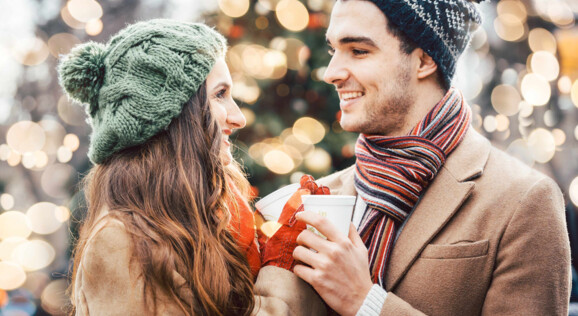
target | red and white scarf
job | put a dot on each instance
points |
(392, 172)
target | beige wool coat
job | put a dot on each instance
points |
(107, 283)
(488, 237)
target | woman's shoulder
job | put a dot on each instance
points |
(108, 246)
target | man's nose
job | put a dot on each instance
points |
(335, 72)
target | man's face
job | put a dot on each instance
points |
(372, 76)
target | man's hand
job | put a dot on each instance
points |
(339, 271)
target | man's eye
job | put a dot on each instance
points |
(358, 52)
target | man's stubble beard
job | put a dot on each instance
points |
(389, 114)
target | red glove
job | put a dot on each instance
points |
(278, 250)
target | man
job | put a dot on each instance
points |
(451, 225)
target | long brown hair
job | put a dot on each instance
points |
(173, 195)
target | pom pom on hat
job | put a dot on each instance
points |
(81, 73)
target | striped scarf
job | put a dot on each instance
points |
(392, 172)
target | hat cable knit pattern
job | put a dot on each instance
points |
(138, 83)
(442, 28)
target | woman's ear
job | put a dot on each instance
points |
(427, 65)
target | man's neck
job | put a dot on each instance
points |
(427, 95)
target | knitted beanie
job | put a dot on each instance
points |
(442, 28)
(138, 82)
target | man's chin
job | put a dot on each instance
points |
(350, 126)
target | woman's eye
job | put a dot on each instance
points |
(331, 51)
(221, 93)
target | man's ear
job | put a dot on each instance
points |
(427, 65)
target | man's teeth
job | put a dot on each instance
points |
(351, 95)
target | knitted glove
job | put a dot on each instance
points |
(278, 250)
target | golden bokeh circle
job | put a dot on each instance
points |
(12, 276)
(506, 99)
(292, 15)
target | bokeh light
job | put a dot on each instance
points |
(64, 154)
(540, 39)
(55, 178)
(54, 134)
(30, 51)
(6, 201)
(7, 246)
(34, 255)
(308, 130)
(535, 89)
(234, 8)
(84, 10)
(318, 161)
(506, 99)
(25, 136)
(12, 276)
(14, 224)
(93, 27)
(292, 14)
(542, 145)
(62, 43)
(574, 93)
(70, 20)
(278, 161)
(574, 191)
(43, 219)
(559, 136)
(490, 124)
(71, 142)
(565, 85)
(545, 64)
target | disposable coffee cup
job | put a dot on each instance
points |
(338, 209)
(271, 205)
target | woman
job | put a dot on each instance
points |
(167, 231)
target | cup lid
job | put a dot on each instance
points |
(276, 195)
(328, 199)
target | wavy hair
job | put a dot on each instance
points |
(173, 195)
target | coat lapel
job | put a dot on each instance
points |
(450, 188)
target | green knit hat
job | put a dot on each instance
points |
(137, 83)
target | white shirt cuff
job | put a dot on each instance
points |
(373, 302)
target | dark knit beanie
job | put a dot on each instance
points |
(137, 83)
(442, 28)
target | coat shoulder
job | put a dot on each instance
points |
(509, 175)
(109, 244)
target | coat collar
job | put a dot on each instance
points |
(450, 188)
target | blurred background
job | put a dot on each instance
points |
(520, 75)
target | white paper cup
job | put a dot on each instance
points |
(338, 209)
(271, 205)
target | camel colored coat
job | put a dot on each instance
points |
(107, 283)
(488, 237)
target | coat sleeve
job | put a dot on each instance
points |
(107, 282)
(279, 292)
(532, 269)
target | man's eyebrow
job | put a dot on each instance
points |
(354, 39)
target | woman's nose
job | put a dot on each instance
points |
(235, 116)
